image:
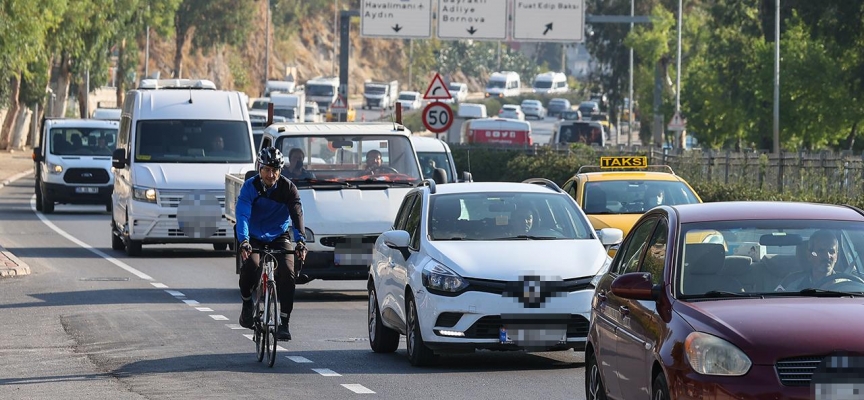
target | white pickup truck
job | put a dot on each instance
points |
(345, 208)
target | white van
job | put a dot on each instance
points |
(434, 153)
(73, 162)
(174, 148)
(471, 110)
(503, 84)
(550, 82)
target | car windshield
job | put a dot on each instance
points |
(529, 103)
(319, 90)
(495, 85)
(634, 196)
(260, 104)
(570, 115)
(543, 84)
(338, 159)
(375, 89)
(770, 258)
(407, 96)
(193, 141)
(580, 132)
(287, 113)
(454, 88)
(83, 141)
(506, 216)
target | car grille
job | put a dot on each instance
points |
(86, 175)
(488, 327)
(797, 371)
(499, 287)
(448, 319)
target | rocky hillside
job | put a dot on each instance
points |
(309, 48)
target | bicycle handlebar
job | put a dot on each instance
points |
(271, 251)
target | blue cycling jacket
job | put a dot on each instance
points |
(267, 214)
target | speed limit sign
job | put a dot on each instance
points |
(437, 117)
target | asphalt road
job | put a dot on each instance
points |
(90, 322)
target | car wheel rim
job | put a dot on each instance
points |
(594, 383)
(658, 394)
(411, 322)
(372, 320)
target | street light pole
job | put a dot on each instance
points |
(630, 101)
(777, 77)
(678, 67)
(267, 47)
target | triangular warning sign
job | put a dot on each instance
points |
(339, 104)
(437, 90)
(677, 123)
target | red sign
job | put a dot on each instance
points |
(499, 136)
(437, 117)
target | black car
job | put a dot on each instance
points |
(557, 105)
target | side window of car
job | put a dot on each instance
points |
(402, 215)
(412, 223)
(655, 258)
(265, 143)
(629, 261)
(570, 188)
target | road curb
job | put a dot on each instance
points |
(9, 264)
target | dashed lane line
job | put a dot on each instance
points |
(326, 372)
(357, 388)
(219, 317)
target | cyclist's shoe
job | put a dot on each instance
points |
(246, 318)
(302, 279)
(282, 333)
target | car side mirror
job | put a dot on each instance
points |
(118, 159)
(439, 175)
(610, 236)
(635, 286)
(467, 177)
(37, 154)
(397, 240)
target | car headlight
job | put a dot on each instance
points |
(55, 168)
(440, 279)
(596, 279)
(141, 193)
(710, 355)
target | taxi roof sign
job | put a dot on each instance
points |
(624, 162)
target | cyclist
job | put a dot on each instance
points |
(268, 209)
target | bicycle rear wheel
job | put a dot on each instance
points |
(260, 331)
(272, 323)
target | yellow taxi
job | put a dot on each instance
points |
(617, 192)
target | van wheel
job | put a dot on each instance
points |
(38, 197)
(47, 204)
(116, 240)
(133, 247)
(109, 206)
(220, 246)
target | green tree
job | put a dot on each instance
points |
(209, 23)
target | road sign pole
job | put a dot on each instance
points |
(344, 50)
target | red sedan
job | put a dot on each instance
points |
(733, 300)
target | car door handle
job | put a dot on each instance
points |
(624, 310)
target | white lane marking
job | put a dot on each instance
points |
(357, 388)
(96, 251)
(204, 309)
(175, 293)
(219, 317)
(192, 303)
(159, 285)
(280, 348)
(326, 372)
(15, 177)
(299, 359)
(249, 336)
(234, 326)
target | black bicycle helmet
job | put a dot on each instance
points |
(271, 157)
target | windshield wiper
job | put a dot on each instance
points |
(722, 294)
(528, 237)
(825, 293)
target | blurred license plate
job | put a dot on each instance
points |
(353, 252)
(86, 189)
(533, 336)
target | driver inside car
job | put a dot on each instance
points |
(821, 258)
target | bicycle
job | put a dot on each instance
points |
(266, 318)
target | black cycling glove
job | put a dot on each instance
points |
(245, 246)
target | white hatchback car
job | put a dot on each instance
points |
(502, 266)
(511, 111)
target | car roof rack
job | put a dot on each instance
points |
(545, 182)
(647, 168)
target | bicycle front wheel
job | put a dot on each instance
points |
(272, 322)
(260, 332)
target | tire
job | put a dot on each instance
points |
(259, 335)
(116, 241)
(109, 206)
(220, 246)
(418, 354)
(47, 203)
(38, 197)
(272, 323)
(133, 247)
(660, 389)
(381, 338)
(594, 388)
